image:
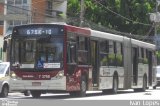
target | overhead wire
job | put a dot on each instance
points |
(146, 35)
(121, 15)
(43, 14)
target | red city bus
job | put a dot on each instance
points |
(56, 57)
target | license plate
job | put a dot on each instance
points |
(36, 83)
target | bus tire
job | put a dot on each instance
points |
(83, 87)
(143, 89)
(27, 93)
(36, 94)
(73, 94)
(115, 85)
(5, 91)
(107, 91)
(154, 87)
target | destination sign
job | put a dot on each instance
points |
(41, 31)
(37, 31)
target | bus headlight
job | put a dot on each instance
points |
(14, 76)
(59, 75)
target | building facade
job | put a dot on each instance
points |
(1, 21)
(18, 12)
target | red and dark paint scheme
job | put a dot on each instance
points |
(72, 80)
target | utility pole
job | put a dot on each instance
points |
(155, 30)
(82, 13)
(5, 21)
(157, 41)
(155, 17)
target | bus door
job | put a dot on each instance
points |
(135, 65)
(94, 62)
(150, 64)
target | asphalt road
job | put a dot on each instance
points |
(150, 94)
(122, 98)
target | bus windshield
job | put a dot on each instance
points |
(40, 53)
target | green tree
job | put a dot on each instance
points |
(73, 11)
(121, 15)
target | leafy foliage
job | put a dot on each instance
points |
(135, 12)
(130, 16)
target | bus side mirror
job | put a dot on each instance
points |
(5, 46)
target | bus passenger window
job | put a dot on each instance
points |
(82, 50)
(103, 53)
(140, 58)
(82, 58)
(119, 54)
(111, 55)
(71, 53)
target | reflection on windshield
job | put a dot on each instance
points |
(38, 53)
(2, 68)
(49, 53)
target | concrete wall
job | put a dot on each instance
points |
(1, 8)
(1, 12)
(1, 30)
(60, 6)
(39, 11)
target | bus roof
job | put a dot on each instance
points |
(120, 38)
(105, 35)
(143, 44)
(79, 30)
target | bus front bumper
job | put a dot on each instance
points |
(54, 84)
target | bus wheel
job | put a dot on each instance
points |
(83, 87)
(106, 91)
(115, 85)
(5, 91)
(143, 89)
(26, 93)
(73, 94)
(36, 94)
(154, 87)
